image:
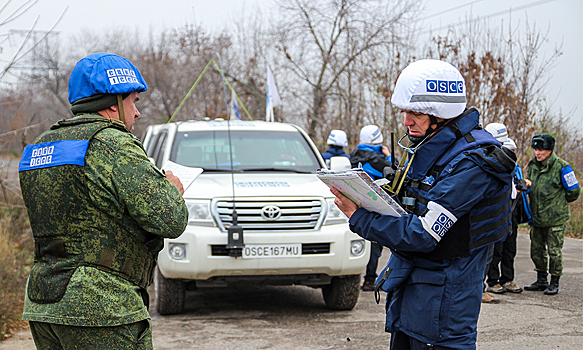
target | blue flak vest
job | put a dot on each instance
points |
(490, 220)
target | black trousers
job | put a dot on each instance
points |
(501, 268)
(401, 341)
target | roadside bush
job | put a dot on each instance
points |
(574, 227)
(16, 258)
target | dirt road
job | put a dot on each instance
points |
(296, 317)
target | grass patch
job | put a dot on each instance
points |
(574, 228)
(16, 259)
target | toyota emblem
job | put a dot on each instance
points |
(270, 212)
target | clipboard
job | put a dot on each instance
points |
(358, 186)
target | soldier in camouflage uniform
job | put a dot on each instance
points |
(99, 211)
(552, 185)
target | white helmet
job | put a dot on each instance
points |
(431, 87)
(509, 143)
(498, 130)
(371, 134)
(337, 138)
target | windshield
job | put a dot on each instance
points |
(251, 151)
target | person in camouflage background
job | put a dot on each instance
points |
(99, 211)
(552, 186)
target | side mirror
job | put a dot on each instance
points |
(339, 163)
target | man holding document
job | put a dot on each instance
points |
(454, 182)
(99, 212)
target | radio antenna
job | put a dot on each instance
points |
(235, 243)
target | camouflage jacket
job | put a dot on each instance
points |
(97, 227)
(549, 200)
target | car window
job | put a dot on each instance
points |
(251, 149)
(160, 145)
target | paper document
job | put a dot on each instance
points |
(362, 190)
(186, 174)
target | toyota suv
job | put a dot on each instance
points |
(257, 214)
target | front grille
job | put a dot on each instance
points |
(278, 215)
(307, 249)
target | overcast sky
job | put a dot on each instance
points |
(563, 19)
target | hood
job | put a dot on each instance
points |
(371, 148)
(211, 185)
(500, 162)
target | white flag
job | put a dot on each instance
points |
(235, 114)
(273, 99)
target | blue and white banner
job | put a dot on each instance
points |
(273, 99)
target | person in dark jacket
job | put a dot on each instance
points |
(372, 156)
(500, 273)
(552, 186)
(337, 140)
(456, 184)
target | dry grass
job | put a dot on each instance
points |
(575, 225)
(16, 249)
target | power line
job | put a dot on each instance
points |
(532, 4)
(451, 9)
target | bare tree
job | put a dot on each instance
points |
(322, 41)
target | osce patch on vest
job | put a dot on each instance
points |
(55, 153)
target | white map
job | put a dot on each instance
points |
(361, 189)
(186, 174)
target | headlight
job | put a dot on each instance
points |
(177, 251)
(199, 213)
(335, 215)
(357, 247)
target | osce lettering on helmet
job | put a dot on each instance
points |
(445, 86)
(121, 76)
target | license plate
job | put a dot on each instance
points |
(293, 250)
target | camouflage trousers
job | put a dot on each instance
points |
(546, 244)
(52, 336)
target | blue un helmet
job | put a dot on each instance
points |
(101, 80)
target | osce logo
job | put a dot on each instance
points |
(121, 76)
(442, 224)
(42, 156)
(445, 86)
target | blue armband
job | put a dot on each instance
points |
(54, 153)
(568, 178)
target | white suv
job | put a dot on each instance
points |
(292, 233)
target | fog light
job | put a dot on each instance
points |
(177, 251)
(357, 248)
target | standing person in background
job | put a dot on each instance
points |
(337, 141)
(500, 275)
(372, 156)
(99, 211)
(553, 186)
(500, 133)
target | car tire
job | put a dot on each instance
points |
(169, 295)
(342, 293)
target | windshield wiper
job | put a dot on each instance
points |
(219, 170)
(286, 170)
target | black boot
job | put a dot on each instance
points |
(540, 284)
(554, 286)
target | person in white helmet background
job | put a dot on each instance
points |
(457, 191)
(372, 156)
(337, 140)
(99, 210)
(500, 270)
